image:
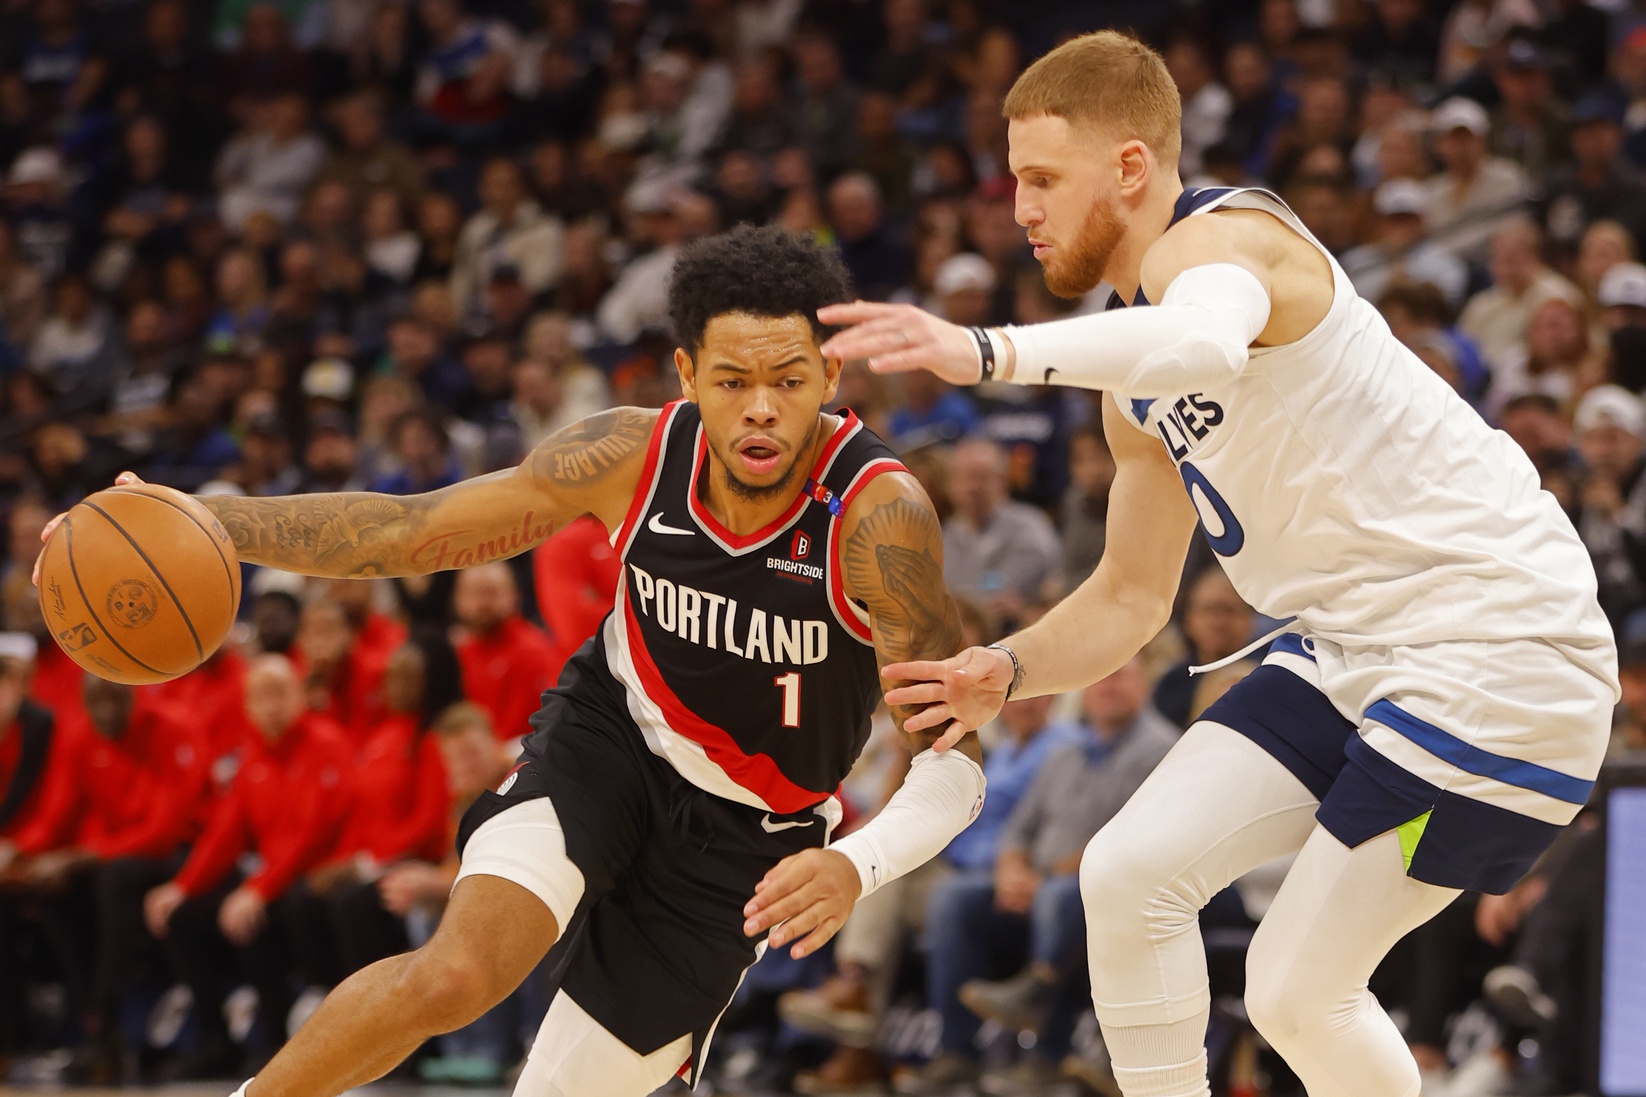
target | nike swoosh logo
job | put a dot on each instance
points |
(656, 526)
(770, 827)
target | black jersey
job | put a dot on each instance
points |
(744, 663)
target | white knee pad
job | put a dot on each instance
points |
(525, 845)
(573, 1056)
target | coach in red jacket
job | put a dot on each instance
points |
(286, 806)
(507, 661)
(125, 788)
(401, 803)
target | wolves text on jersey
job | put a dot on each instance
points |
(719, 623)
(1188, 420)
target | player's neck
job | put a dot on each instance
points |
(742, 515)
(1152, 218)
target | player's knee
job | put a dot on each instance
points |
(1126, 895)
(1280, 1004)
(449, 987)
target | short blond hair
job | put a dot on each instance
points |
(1109, 79)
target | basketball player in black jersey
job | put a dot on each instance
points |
(669, 812)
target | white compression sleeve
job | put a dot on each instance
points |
(1196, 338)
(939, 798)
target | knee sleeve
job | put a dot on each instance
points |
(1128, 896)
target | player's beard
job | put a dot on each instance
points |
(761, 493)
(1077, 268)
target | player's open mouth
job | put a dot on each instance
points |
(759, 457)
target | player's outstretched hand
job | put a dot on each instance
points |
(960, 694)
(900, 338)
(807, 897)
(51, 526)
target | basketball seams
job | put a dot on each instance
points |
(161, 579)
(234, 585)
(91, 610)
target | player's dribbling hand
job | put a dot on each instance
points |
(900, 338)
(961, 694)
(51, 527)
(807, 897)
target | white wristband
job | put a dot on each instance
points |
(939, 798)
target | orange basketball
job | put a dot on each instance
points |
(139, 584)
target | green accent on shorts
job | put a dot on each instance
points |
(1411, 833)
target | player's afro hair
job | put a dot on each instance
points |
(766, 271)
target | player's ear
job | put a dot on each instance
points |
(831, 378)
(1134, 164)
(687, 369)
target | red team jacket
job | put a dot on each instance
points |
(140, 796)
(401, 804)
(506, 673)
(287, 804)
(576, 573)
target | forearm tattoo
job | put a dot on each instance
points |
(359, 535)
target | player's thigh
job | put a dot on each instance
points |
(574, 1056)
(1216, 807)
(1335, 917)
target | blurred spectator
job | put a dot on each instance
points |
(286, 805)
(933, 412)
(25, 745)
(878, 260)
(1217, 622)
(400, 807)
(638, 302)
(1497, 318)
(507, 661)
(463, 83)
(1025, 919)
(342, 678)
(1557, 358)
(369, 160)
(1400, 249)
(123, 793)
(422, 450)
(510, 230)
(73, 344)
(1206, 102)
(1086, 505)
(480, 1053)
(1604, 245)
(964, 286)
(575, 575)
(849, 1005)
(1600, 184)
(1610, 431)
(1473, 192)
(1622, 296)
(22, 291)
(1530, 126)
(996, 551)
(826, 108)
(265, 168)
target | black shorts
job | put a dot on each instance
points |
(656, 948)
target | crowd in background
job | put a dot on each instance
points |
(275, 246)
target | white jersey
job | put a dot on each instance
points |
(1341, 482)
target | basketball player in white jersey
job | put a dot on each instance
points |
(1438, 708)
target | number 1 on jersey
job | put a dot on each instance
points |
(790, 685)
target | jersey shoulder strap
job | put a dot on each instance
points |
(675, 427)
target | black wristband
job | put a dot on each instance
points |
(985, 349)
(1017, 670)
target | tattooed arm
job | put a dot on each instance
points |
(590, 467)
(893, 561)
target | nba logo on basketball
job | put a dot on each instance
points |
(802, 545)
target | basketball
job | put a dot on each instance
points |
(139, 584)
